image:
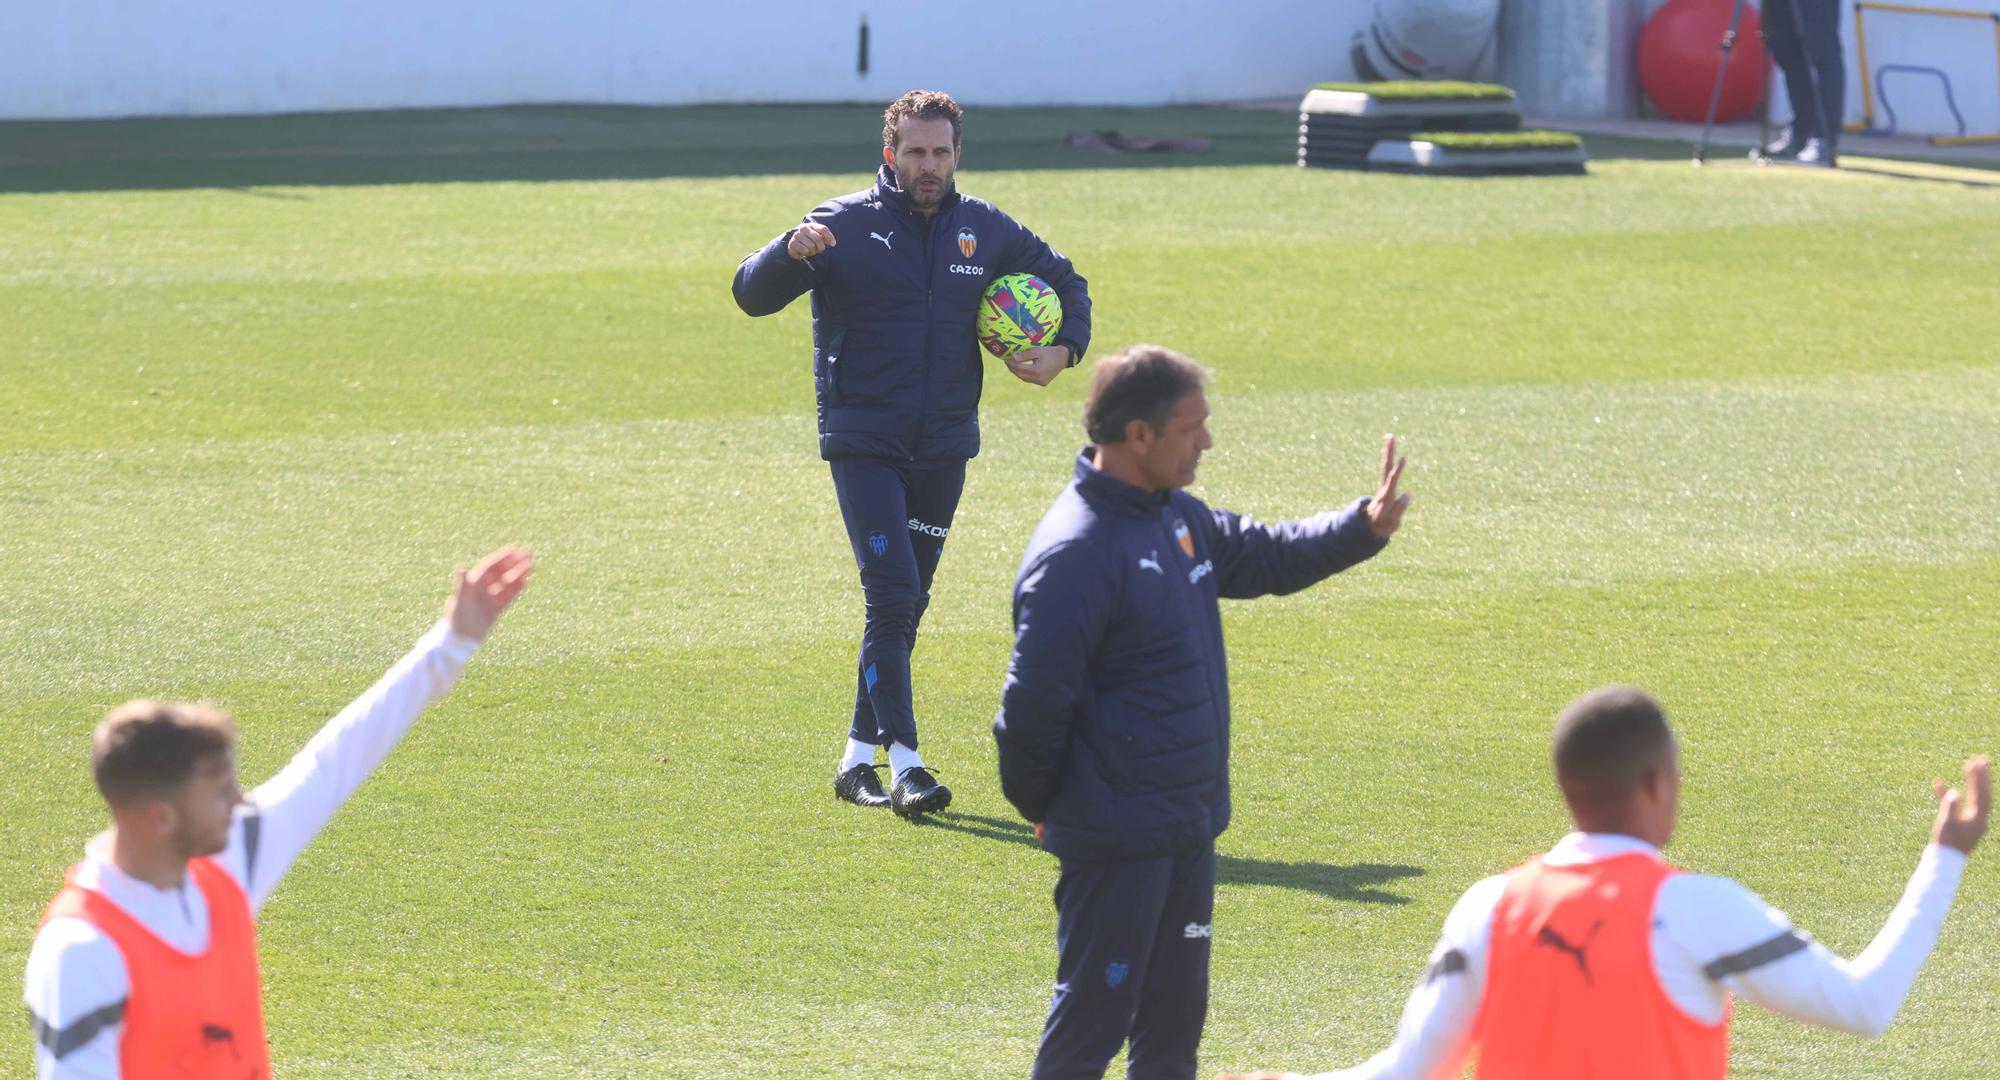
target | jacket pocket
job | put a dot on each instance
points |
(826, 366)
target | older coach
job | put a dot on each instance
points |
(1114, 719)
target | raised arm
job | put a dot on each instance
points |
(777, 273)
(1061, 607)
(1744, 946)
(1254, 559)
(282, 815)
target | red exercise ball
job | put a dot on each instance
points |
(1680, 50)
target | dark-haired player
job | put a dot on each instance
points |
(896, 274)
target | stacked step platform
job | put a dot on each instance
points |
(1389, 127)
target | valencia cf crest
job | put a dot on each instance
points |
(967, 242)
(1186, 538)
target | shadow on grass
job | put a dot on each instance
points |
(557, 143)
(1964, 173)
(1359, 883)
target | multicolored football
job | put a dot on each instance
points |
(1019, 311)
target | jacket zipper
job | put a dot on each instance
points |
(927, 228)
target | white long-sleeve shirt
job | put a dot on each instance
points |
(77, 984)
(1711, 938)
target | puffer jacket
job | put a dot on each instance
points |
(897, 365)
(1114, 717)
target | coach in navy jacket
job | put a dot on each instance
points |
(1114, 718)
(896, 274)
(897, 365)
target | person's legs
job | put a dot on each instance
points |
(1821, 19)
(933, 502)
(1107, 916)
(1788, 51)
(874, 505)
(1173, 1004)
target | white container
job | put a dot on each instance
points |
(1426, 39)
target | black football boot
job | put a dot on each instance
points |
(860, 786)
(917, 793)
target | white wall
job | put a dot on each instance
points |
(96, 58)
(1571, 57)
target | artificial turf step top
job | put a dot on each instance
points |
(1463, 128)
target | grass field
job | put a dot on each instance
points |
(1731, 434)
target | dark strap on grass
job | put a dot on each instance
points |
(1757, 956)
(61, 1043)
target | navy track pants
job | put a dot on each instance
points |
(1804, 38)
(1132, 940)
(898, 515)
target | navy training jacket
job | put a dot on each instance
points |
(897, 363)
(1114, 718)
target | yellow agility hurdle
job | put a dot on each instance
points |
(1867, 84)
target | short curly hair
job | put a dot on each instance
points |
(922, 105)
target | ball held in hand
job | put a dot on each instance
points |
(1018, 311)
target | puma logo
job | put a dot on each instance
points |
(1152, 564)
(884, 239)
(1553, 940)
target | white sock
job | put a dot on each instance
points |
(902, 758)
(858, 753)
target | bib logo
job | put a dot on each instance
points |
(1201, 570)
(968, 242)
(1186, 538)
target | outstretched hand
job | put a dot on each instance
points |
(1385, 510)
(1961, 819)
(482, 593)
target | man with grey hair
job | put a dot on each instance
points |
(1114, 719)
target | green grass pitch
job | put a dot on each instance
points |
(1732, 434)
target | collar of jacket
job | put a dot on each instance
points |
(1101, 486)
(891, 196)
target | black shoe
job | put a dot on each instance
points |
(860, 786)
(916, 793)
(1784, 149)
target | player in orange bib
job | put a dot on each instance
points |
(1599, 961)
(146, 963)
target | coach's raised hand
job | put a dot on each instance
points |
(809, 240)
(1385, 510)
(482, 594)
(1961, 819)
